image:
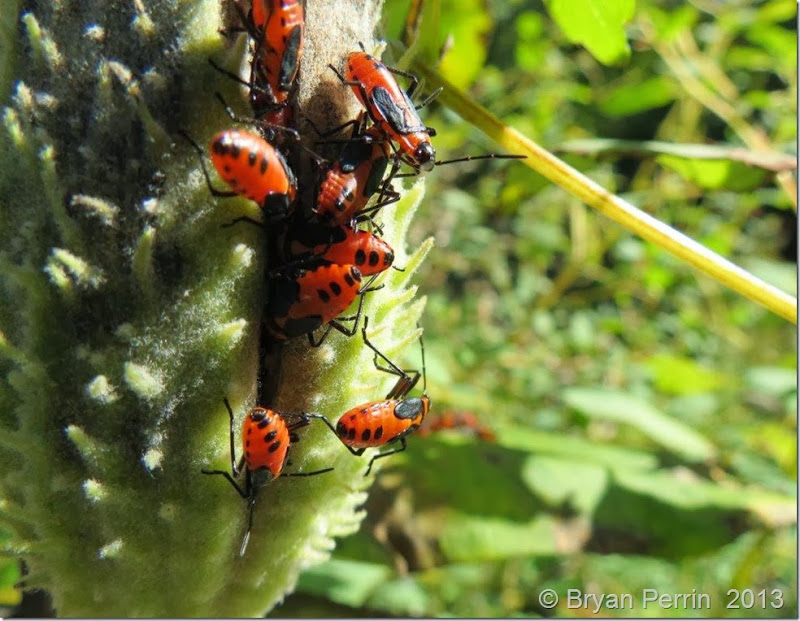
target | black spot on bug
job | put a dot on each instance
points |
(270, 436)
(341, 430)
(236, 150)
(388, 258)
(226, 168)
(349, 280)
(274, 446)
(366, 435)
(257, 415)
(353, 417)
(252, 158)
(336, 288)
(265, 423)
(323, 295)
(351, 433)
(379, 433)
(264, 165)
(374, 257)
(247, 442)
(361, 256)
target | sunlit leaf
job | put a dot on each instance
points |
(560, 480)
(345, 582)
(472, 538)
(403, 598)
(465, 26)
(575, 448)
(10, 575)
(683, 489)
(774, 381)
(679, 375)
(714, 174)
(595, 24)
(625, 408)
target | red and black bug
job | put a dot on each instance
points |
(390, 107)
(368, 252)
(304, 299)
(253, 168)
(279, 28)
(350, 182)
(308, 243)
(378, 423)
(266, 440)
(395, 115)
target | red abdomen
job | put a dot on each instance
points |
(265, 439)
(379, 422)
(251, 166)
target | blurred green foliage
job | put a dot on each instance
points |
(646, 416)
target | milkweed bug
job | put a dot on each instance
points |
(350, 182)
(302, 300)
(253, 168)
(368, 252)
(395, 115)
(378, 423)
(390, 107)
(266, 440)
(278, 29)
(281, 24)
(311, 242)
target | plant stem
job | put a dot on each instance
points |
(626, 214)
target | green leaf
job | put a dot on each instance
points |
(625, 408)
(345, 582)
(10, 576)
(595, 24)
(403, 598)
(775, 381)
(465, 25)
(678, 375)
(715, 174)
(472, 538)
(559, 481)
(574, 448)
(638, 96)
(683, 489)
(671, 23)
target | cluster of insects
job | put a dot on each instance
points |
(326, 253)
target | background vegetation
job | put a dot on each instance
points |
(646, 416)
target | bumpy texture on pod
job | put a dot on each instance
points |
(127, 313)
